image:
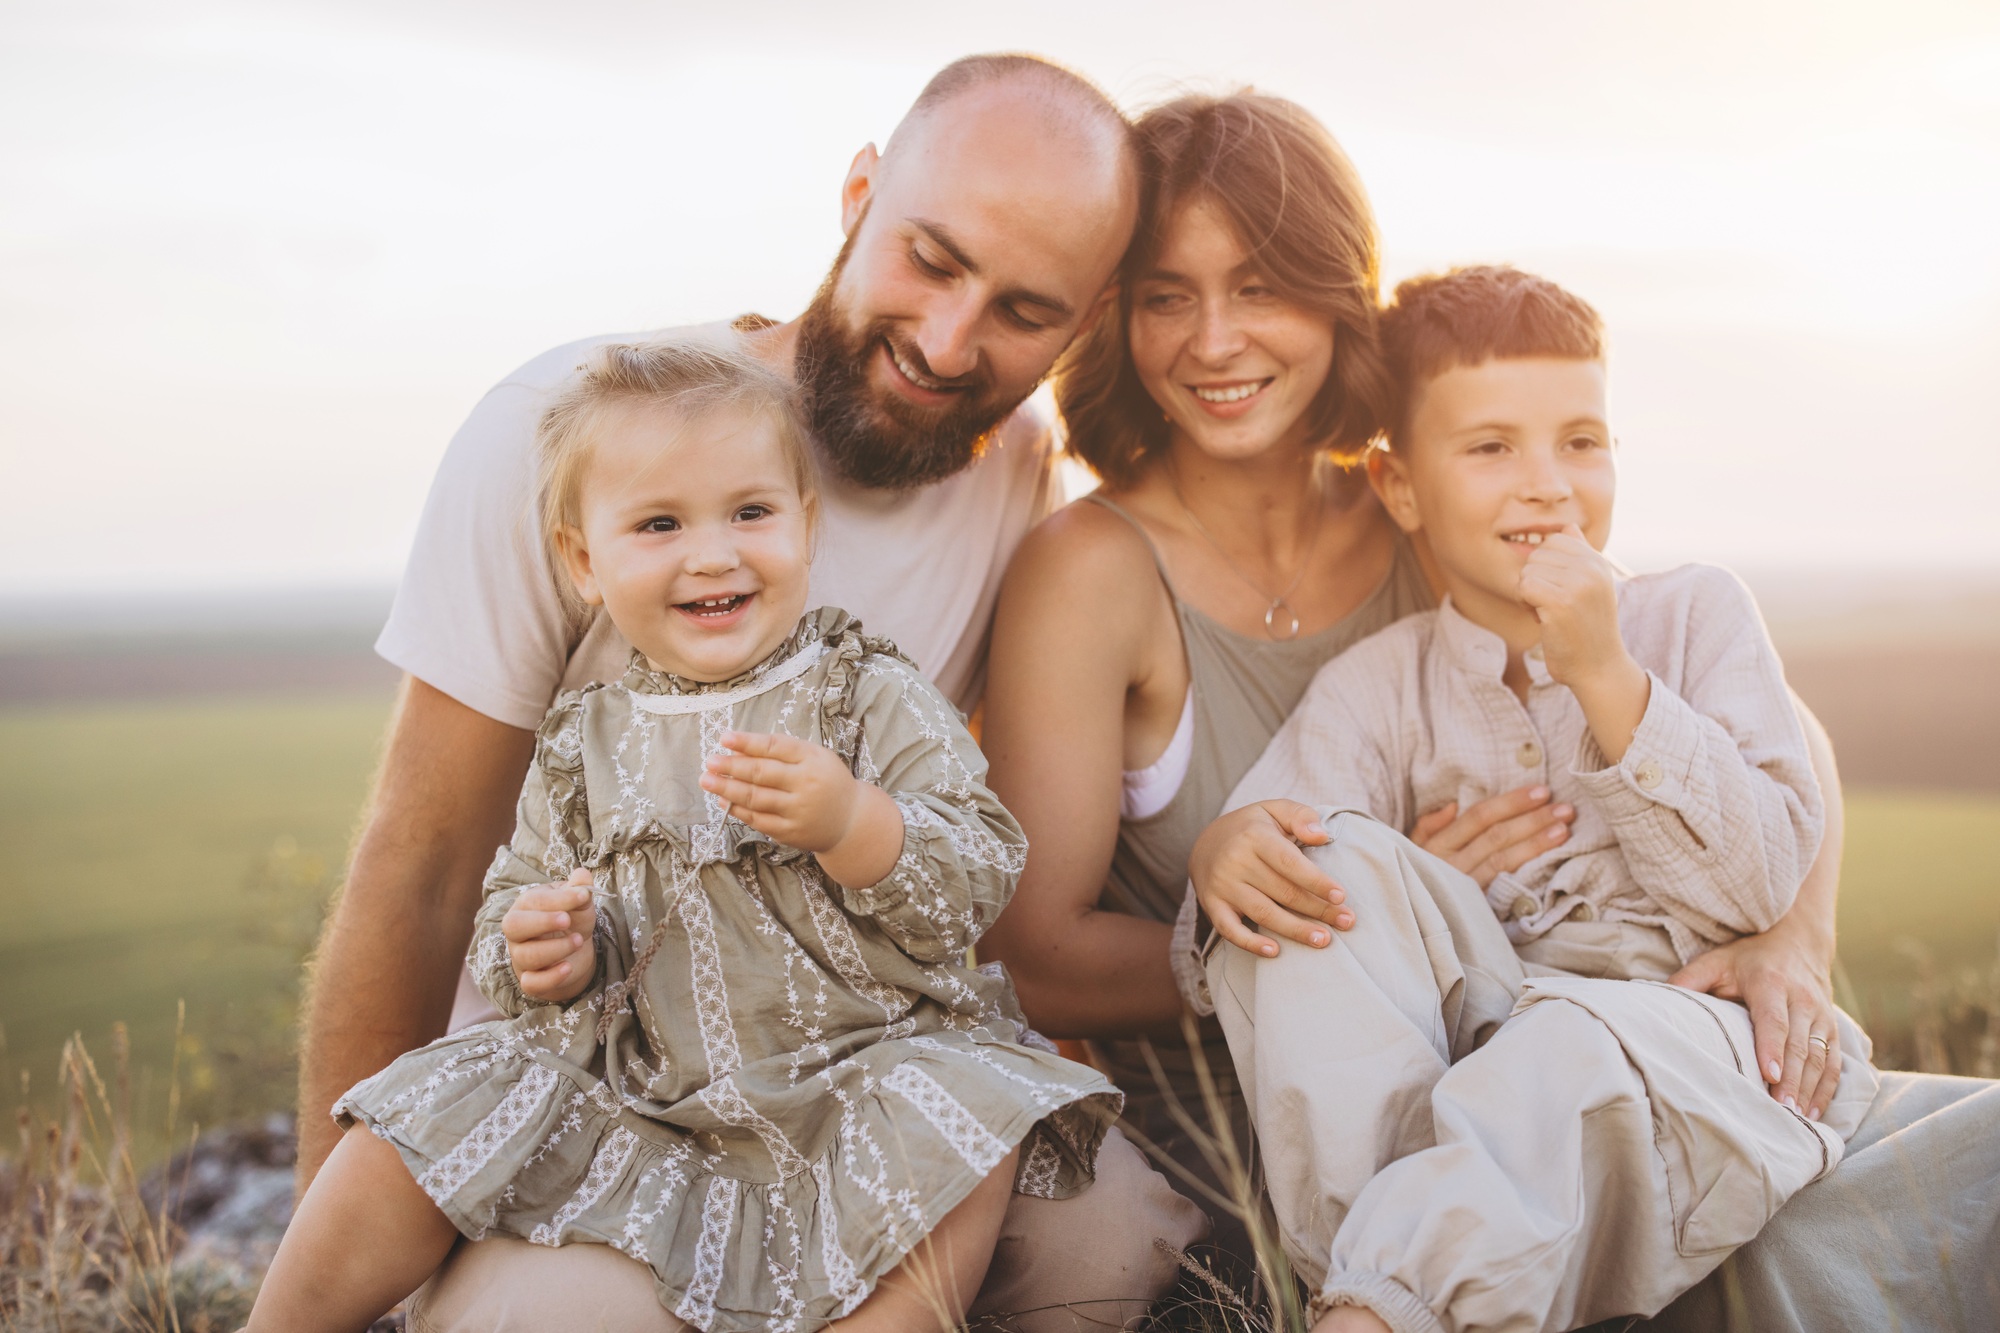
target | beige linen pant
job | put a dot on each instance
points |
(1457, 1139)
(1061, 1266)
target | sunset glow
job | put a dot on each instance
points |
(259, 260)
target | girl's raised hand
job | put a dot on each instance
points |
(792, 790)
(551, 935)
(802, 795)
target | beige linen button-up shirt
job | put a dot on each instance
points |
(1704, 829)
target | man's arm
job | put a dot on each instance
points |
(388, 963)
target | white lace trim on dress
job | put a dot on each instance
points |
(671, 705)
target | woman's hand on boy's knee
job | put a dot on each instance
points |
(1247, 864)
(551, 933)
(1500, 834)
(1782, 982)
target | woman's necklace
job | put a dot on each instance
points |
(1273, 621)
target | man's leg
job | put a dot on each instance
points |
(1608, 1148)
(1061, 1266)
(505, 1285)
(1337, 1049)
(1089, 1263)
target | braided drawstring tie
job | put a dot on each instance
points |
(617, 997)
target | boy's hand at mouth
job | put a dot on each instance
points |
(551, 933)
(1573, 591)
(803, 795)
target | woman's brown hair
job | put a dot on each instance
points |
(1296, 205)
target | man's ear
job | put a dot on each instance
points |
(576, 559)
(858, 188)
(1106, 300)
(1389, 474)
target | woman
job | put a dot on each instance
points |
(1151, 637)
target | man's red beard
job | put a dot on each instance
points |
(874, 437)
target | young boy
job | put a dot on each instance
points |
(1487, 1110)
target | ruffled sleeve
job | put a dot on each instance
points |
(551, 829)
(962, 851)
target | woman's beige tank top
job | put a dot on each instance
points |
(1243, 689)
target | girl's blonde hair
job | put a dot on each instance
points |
(693, 378)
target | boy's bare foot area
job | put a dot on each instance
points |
(1351, 1319)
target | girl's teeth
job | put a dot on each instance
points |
(1235, 394)
(1531, 538)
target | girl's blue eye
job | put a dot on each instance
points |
(751, 513)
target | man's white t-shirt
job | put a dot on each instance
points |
(478, 615)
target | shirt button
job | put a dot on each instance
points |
(1521, 908)
(1648, 775)
(1529, 754)
(1535, 653)
(1583, 912)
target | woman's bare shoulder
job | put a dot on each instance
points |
(1082, 545)
(1083, 589)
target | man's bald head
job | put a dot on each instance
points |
(978, 244)
(1067, 99)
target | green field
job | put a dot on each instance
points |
(166, 851)
(163, 851)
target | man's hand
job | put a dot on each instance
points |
(802, 795)
(1573, 590)
(1782, 979)
(551, 933)
(1247, 863)
(1500, 834)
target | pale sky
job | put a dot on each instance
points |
(258, 260)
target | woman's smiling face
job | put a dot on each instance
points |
(1234, 365)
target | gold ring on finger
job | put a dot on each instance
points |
(1817, 1040)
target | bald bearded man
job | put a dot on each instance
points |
(979, 243)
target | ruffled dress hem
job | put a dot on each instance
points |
(729, 1254)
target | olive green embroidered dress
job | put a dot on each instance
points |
(802, 1079)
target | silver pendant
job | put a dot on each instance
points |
(1271, 621)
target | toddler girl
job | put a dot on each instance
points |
(743, 1045)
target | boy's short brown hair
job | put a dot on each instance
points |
(1470, 315)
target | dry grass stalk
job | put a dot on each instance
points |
(82, 1250)
(1273, 1304)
